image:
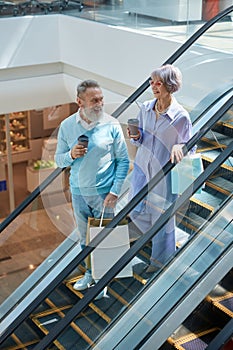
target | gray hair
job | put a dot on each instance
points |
(170, 76)
(86, 84)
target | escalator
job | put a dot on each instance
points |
(45, 312)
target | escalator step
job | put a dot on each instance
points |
(220, 184)
(58, 298)
(206, 200)
(209, 157)
(81, 332)
(205, 322)
(226, 305)
(106, 307)
(222, 299)
(190, 222)
(12, 345)
(216, 139)
(224, 127)
(25, 337)
(195, 341)
(125, 289)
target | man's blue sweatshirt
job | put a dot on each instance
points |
(104, 167)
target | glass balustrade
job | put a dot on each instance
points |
(42, 239)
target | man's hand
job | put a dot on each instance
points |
(110, 200)
(177, 153)
(78, 151)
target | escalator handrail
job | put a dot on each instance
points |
(127, 257)
(108, 228)
(216, 96)
(116, 114)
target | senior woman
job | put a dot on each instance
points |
(164, 127)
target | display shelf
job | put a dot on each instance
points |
(19, 138)
(3, 186)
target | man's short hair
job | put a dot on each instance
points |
(83, 86)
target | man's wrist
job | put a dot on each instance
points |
(114, 194)
(70, 154)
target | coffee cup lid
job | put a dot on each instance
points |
(133, 121)
(83, 138)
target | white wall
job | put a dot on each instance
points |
(29, 40)
(115, 53)
(43, 57)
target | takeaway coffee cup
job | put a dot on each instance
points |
(83, 140)
(133, 126)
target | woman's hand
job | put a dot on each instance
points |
(177, 153)
(110, 200)
(137, 137)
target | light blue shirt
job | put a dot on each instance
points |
(155, 144)
(105, 166)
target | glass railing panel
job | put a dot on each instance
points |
(205, 233)
(167, 290)
(171, 283)
(194, 230)
(192, 219)
(175, 20)
(205, 66)
(35, 233)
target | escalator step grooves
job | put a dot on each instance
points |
(197, 341)
(226, 305)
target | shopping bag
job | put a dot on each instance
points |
(110, 250)
(185, 172)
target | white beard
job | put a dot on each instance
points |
(93, 114)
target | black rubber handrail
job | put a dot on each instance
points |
(128, 256)
(215, 96)
(116, 114)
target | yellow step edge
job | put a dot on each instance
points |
(224, 166)
(202, 204)
(91, 305)
(187, 338)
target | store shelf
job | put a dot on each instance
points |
(19, 138)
